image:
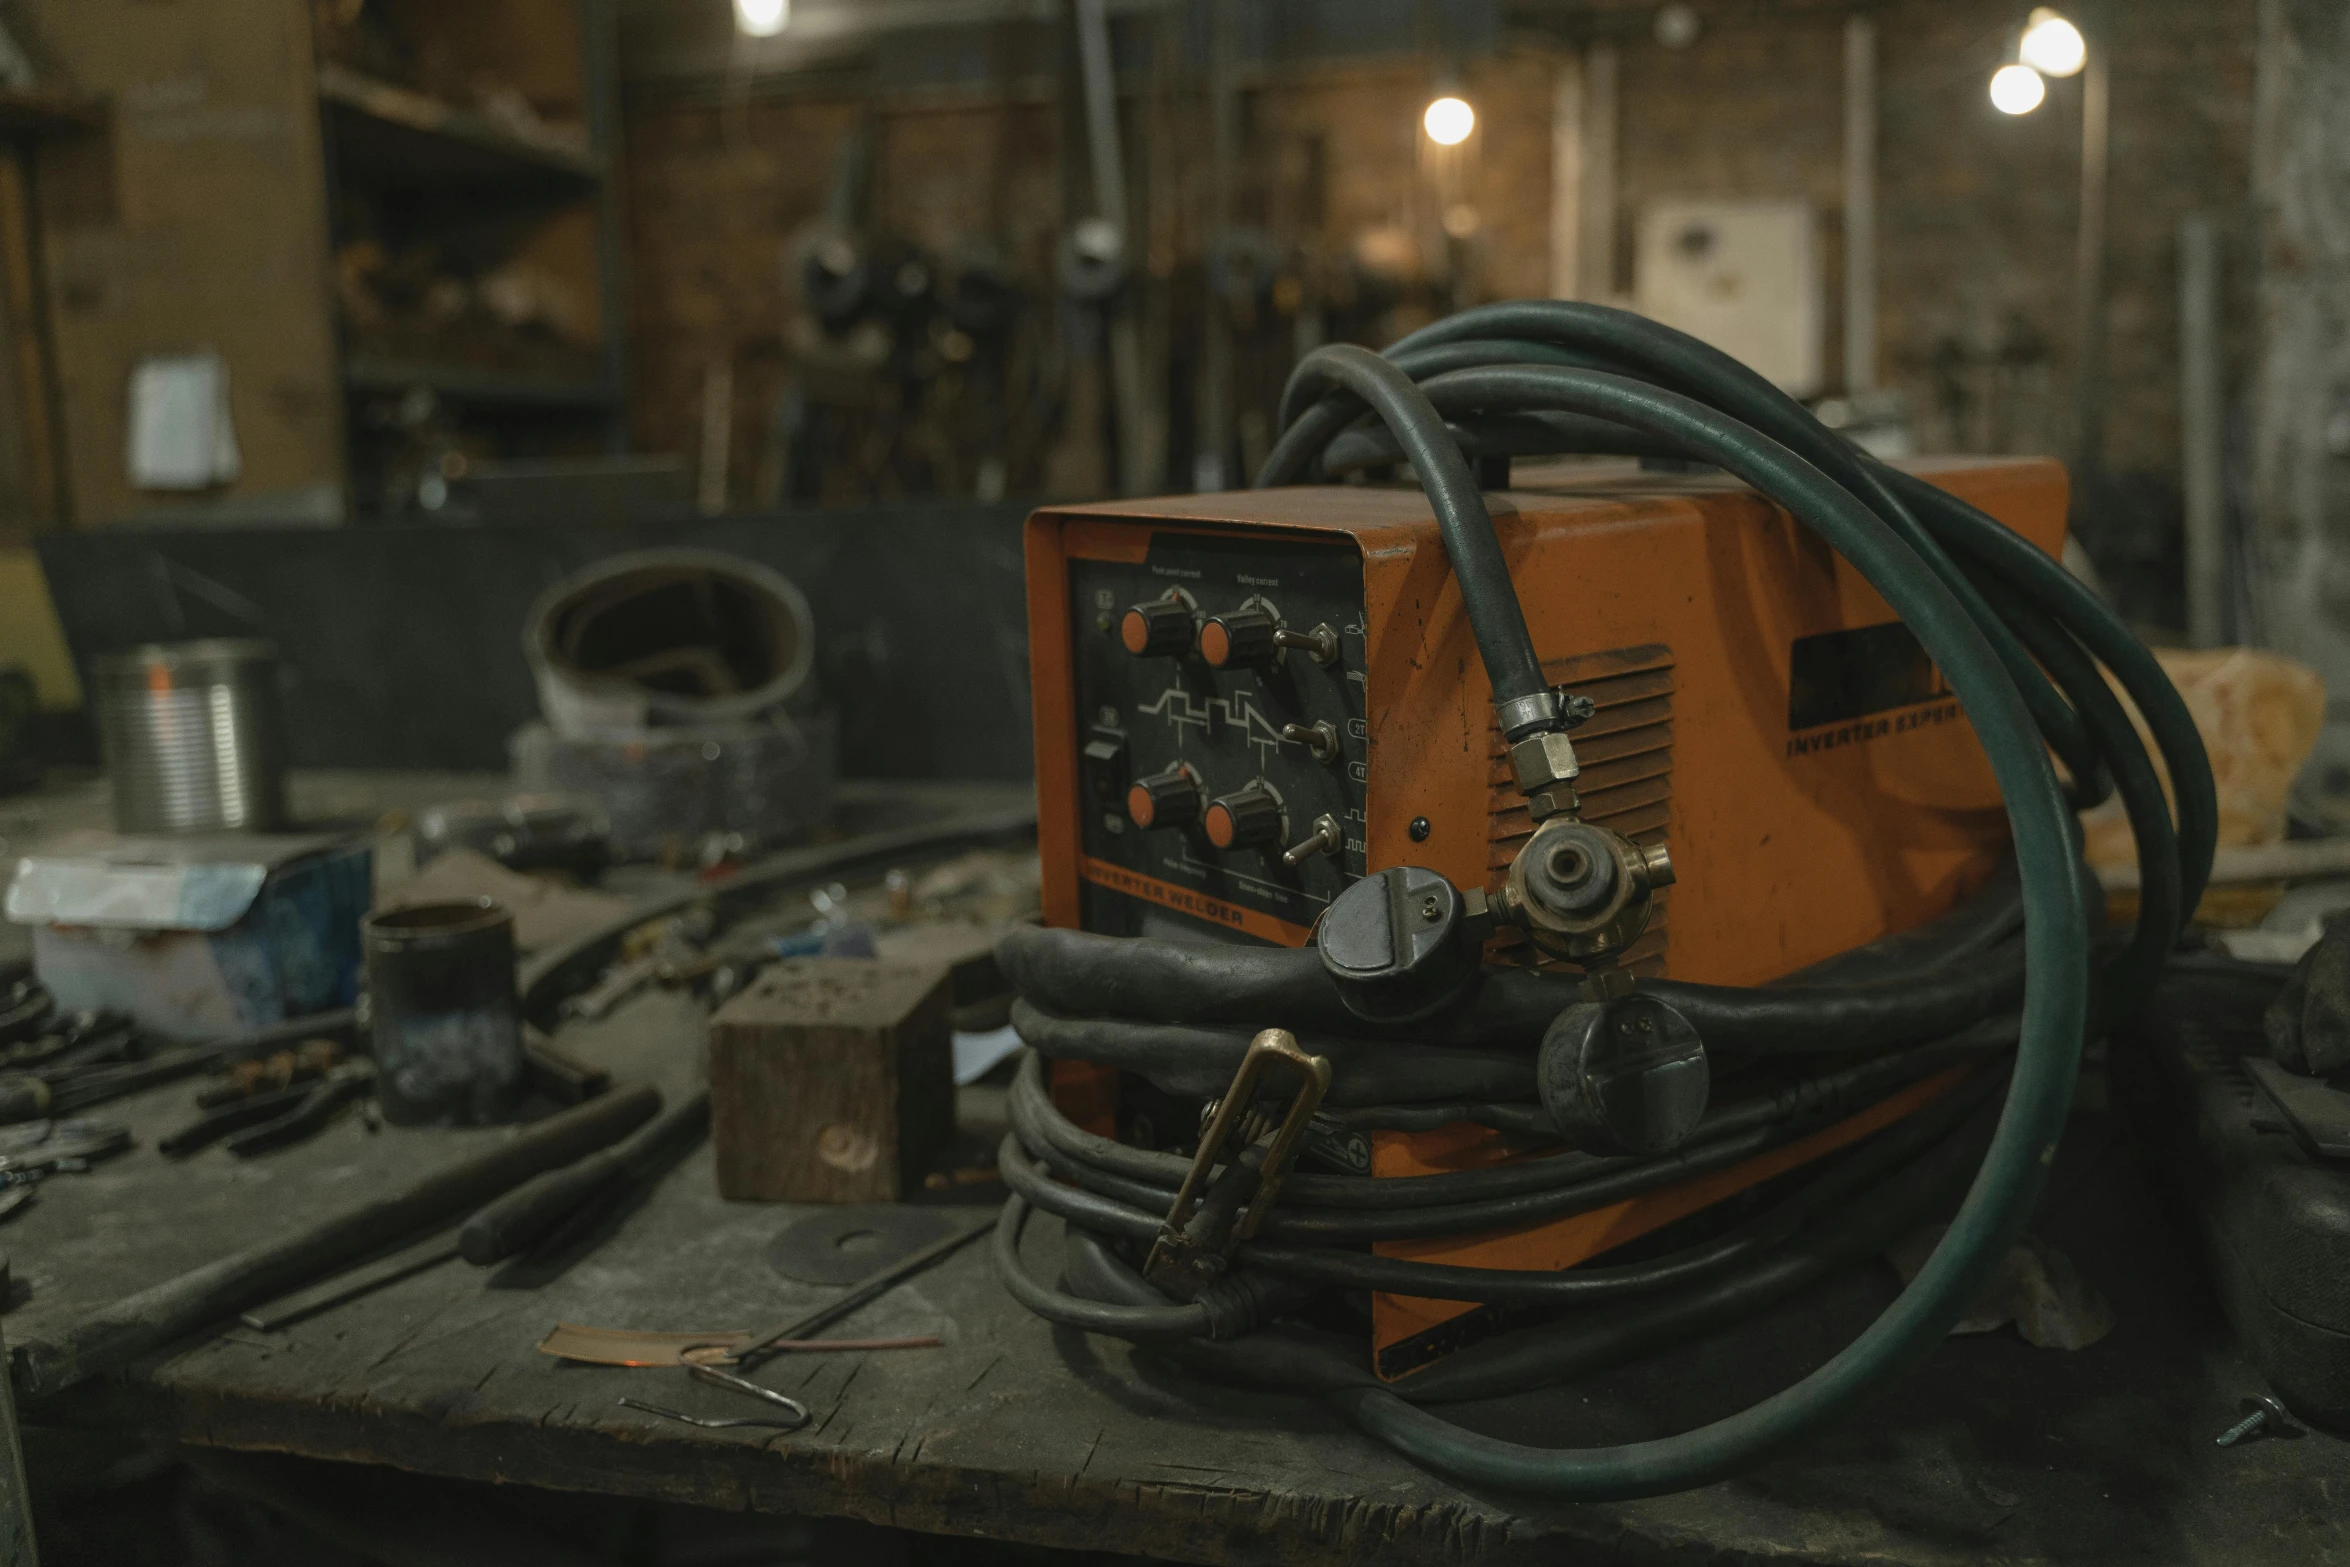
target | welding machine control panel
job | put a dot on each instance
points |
(1223, 750)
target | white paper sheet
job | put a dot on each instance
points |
(181, 434)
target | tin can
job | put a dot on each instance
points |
(194, 736)
(443, 1014)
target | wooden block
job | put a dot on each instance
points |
(983, 1000)
(832, 1080)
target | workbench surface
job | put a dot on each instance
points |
(1015, 1430)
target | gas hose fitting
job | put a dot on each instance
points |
(1545, 768)
(1583, 892)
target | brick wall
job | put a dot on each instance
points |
(1977, 218)
(1978, 211)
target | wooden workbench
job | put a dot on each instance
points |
(1013, 1430)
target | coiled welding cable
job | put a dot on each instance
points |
(1953, 971)
(1574, 373)
(1326, 1209)
(1858, 1205)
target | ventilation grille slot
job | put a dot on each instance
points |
(1626, 750)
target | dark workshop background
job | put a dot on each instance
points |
(498, 286)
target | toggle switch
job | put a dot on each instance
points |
(1104, 759)
(1326, 838)
(1320, 740)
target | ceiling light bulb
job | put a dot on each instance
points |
(2051, 45)
(762, 18)
(1449, 121)
(2017, 89)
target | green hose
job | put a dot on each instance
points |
(2017, 639)
(2056, 936)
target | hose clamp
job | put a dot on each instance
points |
(1557, 708)
(1196, 1238)
(1524, 715)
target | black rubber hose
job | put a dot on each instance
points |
(1029, 1182)
(1072, 975)
(1627, 345)
(1041, 1127)
(1522, 1120)
(1196, 982)
(1514, 435)
(1451, 1204)
(1470, 544)
(1873, 1161)
(1979, 922)
(2129, 979)
(2071, 610)
(1779, 472)
(1199, 1062)
(1862, 1227)
(1152, 1177)
(2057, 593)
(1289, 1356)
(1278, 1355)
(2009, 724)
(1070, 1311)
(1595, 364)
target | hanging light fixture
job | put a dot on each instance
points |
(2051, 45)
(2017, 89)
(761, 18)
(1449, 121)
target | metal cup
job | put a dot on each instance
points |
(443, 1014)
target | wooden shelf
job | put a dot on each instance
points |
(466, 384)
(385, 133)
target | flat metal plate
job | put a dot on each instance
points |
(2319, 1112)
(843, 1245)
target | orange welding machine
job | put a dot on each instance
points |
(1412, 849)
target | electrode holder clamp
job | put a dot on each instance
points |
(1582, 892)
(1189, 1255)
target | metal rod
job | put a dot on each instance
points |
(115, 1335)
(717, 436)
(1211, 464)
(1101, 111)
(1098, 75)
(290, 1309)
(1566, 180)
(2089, 259)
(554, 1207)
(1860, 205)
(2202, 432)
(1596, 270)
(872, 1286)
(16, 1501)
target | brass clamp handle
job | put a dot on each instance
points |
(1184, 1263)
